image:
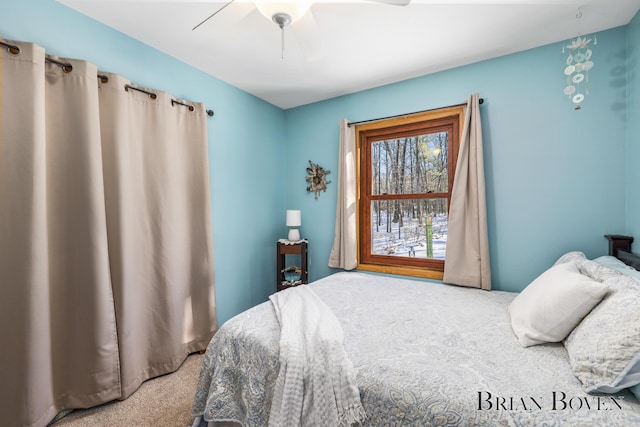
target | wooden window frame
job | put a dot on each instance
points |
(449, 118)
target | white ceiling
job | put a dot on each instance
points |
(341, 47)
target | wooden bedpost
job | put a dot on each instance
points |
(618, 242)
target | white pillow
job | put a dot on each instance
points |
(553, 304)
(616, 264)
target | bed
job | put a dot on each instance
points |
(428, 354)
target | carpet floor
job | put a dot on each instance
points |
(160, 402)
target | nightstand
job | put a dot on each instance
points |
(292, 272)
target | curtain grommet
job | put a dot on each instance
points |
(11, 48)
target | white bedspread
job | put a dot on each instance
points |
(316, 384)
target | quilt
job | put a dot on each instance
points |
(424, 354)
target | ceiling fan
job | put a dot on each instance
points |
(285, 12)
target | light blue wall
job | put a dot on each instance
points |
(633, 131)
(553, 178)
(553, 183)
(245, 140)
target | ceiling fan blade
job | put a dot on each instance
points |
(212, 15)
(393, 2)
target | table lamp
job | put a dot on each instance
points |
(294, 220)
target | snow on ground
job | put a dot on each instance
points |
(412, 240)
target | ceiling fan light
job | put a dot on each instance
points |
(293, 8)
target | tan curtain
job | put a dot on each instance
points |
(467, 254)
(57, 325)
(345, 246)
(159, 228)
(64, 254)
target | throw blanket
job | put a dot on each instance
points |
(316, 384)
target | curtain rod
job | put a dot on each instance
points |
(480, 101)
(67, 68)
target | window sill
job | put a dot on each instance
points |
(403, 271)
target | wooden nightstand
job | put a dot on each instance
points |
(291, 274)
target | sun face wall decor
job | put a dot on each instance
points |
(577, 66)
(316, 177)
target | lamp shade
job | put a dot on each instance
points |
(294, 8)
(294, 219)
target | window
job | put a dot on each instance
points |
(405, 172)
